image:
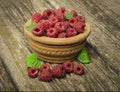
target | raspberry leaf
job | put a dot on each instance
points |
(32, 61)
(68, 15)
(83, 56)
(31, 26)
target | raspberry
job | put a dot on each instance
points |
(61, 10)
(80, 19)
(45, 67)
(72, 21)
(37, 31)
(71, 32)
(60, 17)
(48, 13)
(79, 27)
(45, 76)
(51, 32)
(36, 17)
(33, 72)
(60, 27)
(53, 20)
(74, 13)
(78, 69)
(58, 71)
(62, 35)
(45, 24)
(68, 65)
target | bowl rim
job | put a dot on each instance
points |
(58, 41)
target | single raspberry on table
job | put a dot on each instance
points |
(69, 66)
(74, 13)
(60, 27)
(71, 32)
(45, 76)
(36, 17)
(48, 13)
(72, 21)
(52, 32)
(33, 72)
(58, 71)
(78, 69)
(62, 35)
(37, 31)
(79, 27)
(45, 67)
(80, 19)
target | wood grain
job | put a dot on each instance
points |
(102, 74)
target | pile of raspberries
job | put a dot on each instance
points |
(53, 23)
(46, 73)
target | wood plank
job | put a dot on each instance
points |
(103, 48)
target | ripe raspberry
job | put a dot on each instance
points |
(60, 17)
(60, 14)
(45, 76)
(37, 31)
(72, 21)
(45, 24)
(62, 35)
(80, 19)
(60, 27)
(36, 17)
(78, 69)
(71, 32)
(48, 13)
(53, 20)
(45, 67)
(61, 10)
(33, 72)
(74, 13)
(79, 27)
(52, 32)
(58, 71)
(68, 65)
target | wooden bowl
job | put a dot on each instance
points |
(56, 50)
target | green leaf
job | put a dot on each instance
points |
(83, 56)
(31, 26)
(68, 15)
(32, 61)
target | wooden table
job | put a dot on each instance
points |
(102, 74)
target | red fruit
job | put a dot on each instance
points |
(79, 27)
(45, 24)
(81, 19)
(45, 76)
(36, 17)
(60, 27)
(37, 31)
(78, 69)
(60, 14)
(68, 65)
(45, 67)
(61, 10)
(53, 20)
(52, 32)
(74, 13)
(33, 72)
(48, 13)
(58, 71)
(72, 21)
(71, 32)
(62, 35)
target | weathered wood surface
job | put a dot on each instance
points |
(102, 74)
